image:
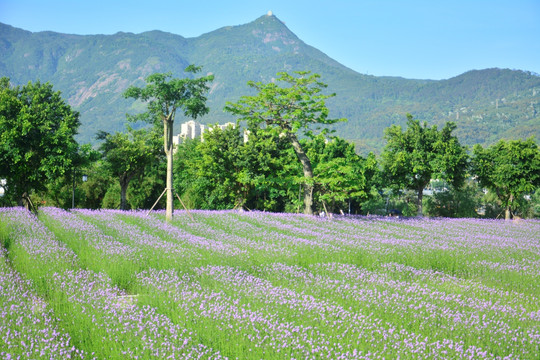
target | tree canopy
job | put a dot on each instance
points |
(37, 130)
(290, 105)
(164, 97)
(126, 155)
(411, 158)
(509, 168)
(341, 176)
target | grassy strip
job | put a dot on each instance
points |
(259, 285)
(28, 327)
(98, 316)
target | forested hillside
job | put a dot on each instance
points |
(93, 71)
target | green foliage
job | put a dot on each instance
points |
(37, 130)
(126, 156)
(463, 202)
(96, 187)
(341, 176)
(269, 171)
(219, 166)
(142, 194)
(413, 157)
(186, 180)
(165, 97)
(70, 190)
(223, 172)
(93, 71)
(528, 206)
(110, 198)
(510, 169)
(296, 105)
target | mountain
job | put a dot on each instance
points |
(92, 71)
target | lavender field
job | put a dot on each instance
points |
(228, 285)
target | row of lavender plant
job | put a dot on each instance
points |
(465, 247)
(463, 314)
(100, 319)
(441, 315)
(117, 225)
(228, 292)
(28, 326)
(441, 309)
(116, 228)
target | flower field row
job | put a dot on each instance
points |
(116, 285)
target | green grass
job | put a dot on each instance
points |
(260, 285)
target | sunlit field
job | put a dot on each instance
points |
(254, 285)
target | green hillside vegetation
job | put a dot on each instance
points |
(267, 168)
(92, 71)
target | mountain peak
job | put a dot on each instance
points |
(92, 72)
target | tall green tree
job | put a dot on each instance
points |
(219, 169)
(346, 179)
(186, 180)
(37, 129)
(166, 95)
(93, 191)
(411, 158)
(510, 169)
(66, 191)
(270, 170)
(223, 171)
(126, 155)
(342, 177)
(296, 105)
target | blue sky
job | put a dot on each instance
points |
(428, 39)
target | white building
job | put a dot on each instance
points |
(189, 130)
(192, 129)
(3, 183)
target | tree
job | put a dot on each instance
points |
(296, 106)
(186, 179)
(224, 172)
(126, 155)
(411, 158)
(165, 96)
(218, 169)
(269, 169)
(509, 168)
(37, 144)
(94, 189)
(66, 191)
(455, 203)
(341, 175)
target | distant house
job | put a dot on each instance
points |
(189, 130)
(192, 130)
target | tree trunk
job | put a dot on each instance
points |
(508, 211)
(308, 173)
(123, 191)
(168, 146)
(170, 207)
(419, 204)
(26, 202)
(124, 183)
